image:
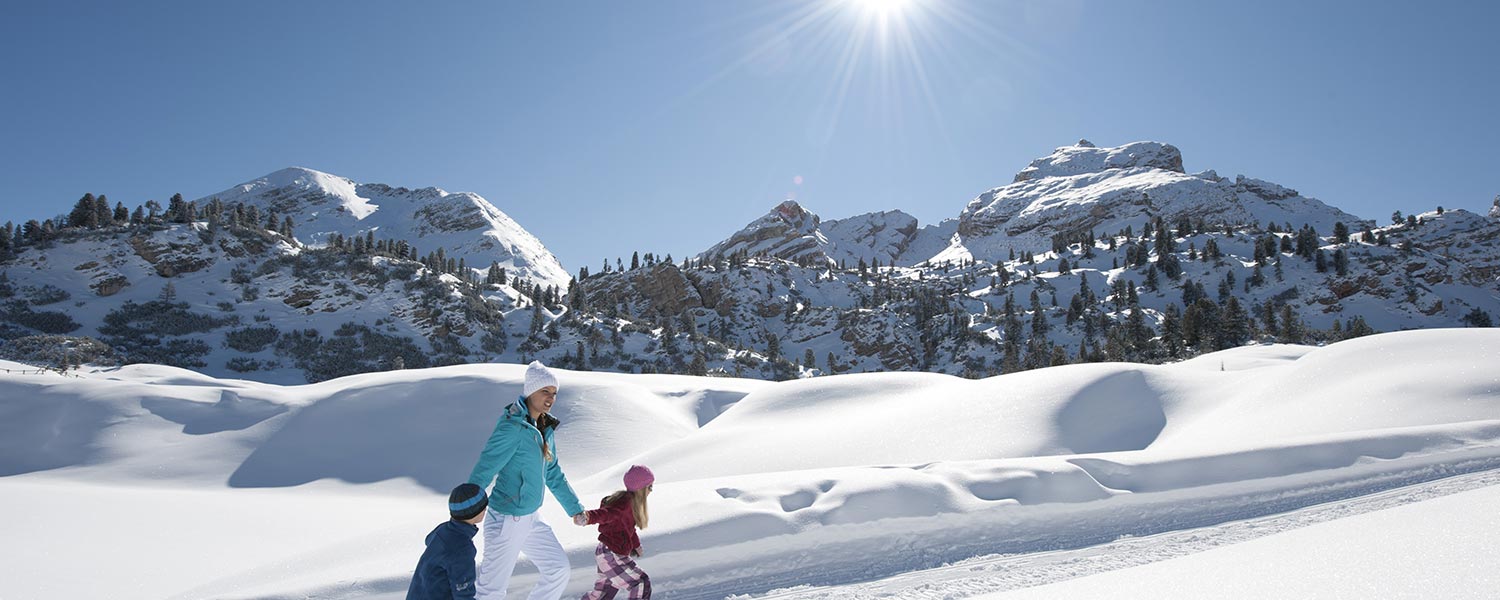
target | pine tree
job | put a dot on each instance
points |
(83, 214)
(1291, 326)
(1478, 318)
(1171, 331)
(177, 210)
(7, 242)
(1358, 328)
(31, 232)
(1234, 327)
(537, 321)
(1039, 325)
(1200, 324)
(104, 215)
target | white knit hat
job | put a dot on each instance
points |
(538, 376)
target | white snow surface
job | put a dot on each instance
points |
(1439, 548)
(155, 482)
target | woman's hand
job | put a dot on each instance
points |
(581, 519)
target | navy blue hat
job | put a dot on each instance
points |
(466, 501)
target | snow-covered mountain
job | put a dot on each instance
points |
(465, 225)
(1074, 191)
(1081, 189)
(791, 232)
(1118, 256)
(230, 297)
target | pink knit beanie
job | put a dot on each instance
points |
(638, 477)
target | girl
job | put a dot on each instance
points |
(618, 516)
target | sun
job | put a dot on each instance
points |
(882, 9)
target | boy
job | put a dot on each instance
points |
(446, 569)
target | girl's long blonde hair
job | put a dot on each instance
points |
(637, 503)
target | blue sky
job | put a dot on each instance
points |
(610, 127)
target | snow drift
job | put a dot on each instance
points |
(327, 489)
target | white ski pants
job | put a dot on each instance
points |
(505, 537)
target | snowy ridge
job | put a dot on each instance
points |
(760, 485)
(465, 225)
(1075, 190)
(1057, 196)
(791, 232)
(1084, 157)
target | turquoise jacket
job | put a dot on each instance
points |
(512, 461)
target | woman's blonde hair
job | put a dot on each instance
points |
(637, 504)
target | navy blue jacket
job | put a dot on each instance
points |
(446, 569)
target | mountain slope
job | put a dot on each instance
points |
(465, 225)
(1081, 188)
(791, 232)
(1119, 256)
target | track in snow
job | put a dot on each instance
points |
(1001, 572)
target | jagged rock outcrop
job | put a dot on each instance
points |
(791, 232)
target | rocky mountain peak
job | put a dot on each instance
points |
(1084, 158)
(322, 205)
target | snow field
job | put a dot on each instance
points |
(183, 485)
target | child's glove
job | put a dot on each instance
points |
(581, 519)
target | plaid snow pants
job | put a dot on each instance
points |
(617, 573)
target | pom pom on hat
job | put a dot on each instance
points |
(538, 376)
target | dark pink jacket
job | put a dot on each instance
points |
(616, 526)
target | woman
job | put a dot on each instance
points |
(518, 458)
